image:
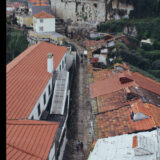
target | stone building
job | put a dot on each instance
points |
(91, 11)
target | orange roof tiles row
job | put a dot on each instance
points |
(27, 77)
(100, 75)
(108, 85)
(29, 139)
(43, 14)
(112, 83)
(90, 43)
(13, 153)
(118, 121)
(146, 83)
(111, 101)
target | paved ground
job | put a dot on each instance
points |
(79, 126)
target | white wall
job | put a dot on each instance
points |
(48, 24)
(60, 64)
(52, 153)
(40, 101)
(10, 8)
(60, 157)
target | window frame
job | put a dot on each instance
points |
(44, 98)
(49, 90)
(39, 109)
(41, 20)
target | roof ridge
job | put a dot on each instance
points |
(16, 61)
(22, 150)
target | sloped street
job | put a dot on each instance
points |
(79, 126)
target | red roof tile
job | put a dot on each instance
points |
(30, 139)
(43, 14)
(112, 101)
(94, 43)
(108, 85)
(27, 77)
(146, 82)
(101, 75)
(117, 121)
(13, 153)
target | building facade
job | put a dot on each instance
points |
(43, 22)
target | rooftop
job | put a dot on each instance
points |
(43, 14)
(111, 84)
(120, 147)
(112, 101)
(145, 82)
(118, 120)
(29, 139)
(93, 43)
(27, 76)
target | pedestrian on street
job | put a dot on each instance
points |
(81, 145)
(78, 145)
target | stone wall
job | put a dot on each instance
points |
(79, 11)
(90, 10)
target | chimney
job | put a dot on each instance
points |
(50, 66)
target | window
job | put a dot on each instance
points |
(65, 59)
(44, 98)
(40, 28)
(32, 117)
(39, 110)
(41, 20)
(62, 64)
(60, 67)
(49, 89)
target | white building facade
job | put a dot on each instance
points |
(44, 24)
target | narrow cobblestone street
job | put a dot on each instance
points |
(80, 114)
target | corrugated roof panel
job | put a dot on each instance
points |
(120, 147)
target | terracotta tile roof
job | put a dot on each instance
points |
(112, 83)
(117, 121)
(114, 123)
(93, 43)
(112, 101)
(13, 153)
(146, 83)
(108, 85)
(27, 76)
(43, 14)
(101, 75)
(29, 139)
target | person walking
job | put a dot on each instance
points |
(81, 145)
(78, 145)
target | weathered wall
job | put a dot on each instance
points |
(90, 10)
(79, 11)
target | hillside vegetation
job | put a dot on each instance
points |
(16, 43)
(146, 19)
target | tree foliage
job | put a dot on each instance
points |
(16, 43)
